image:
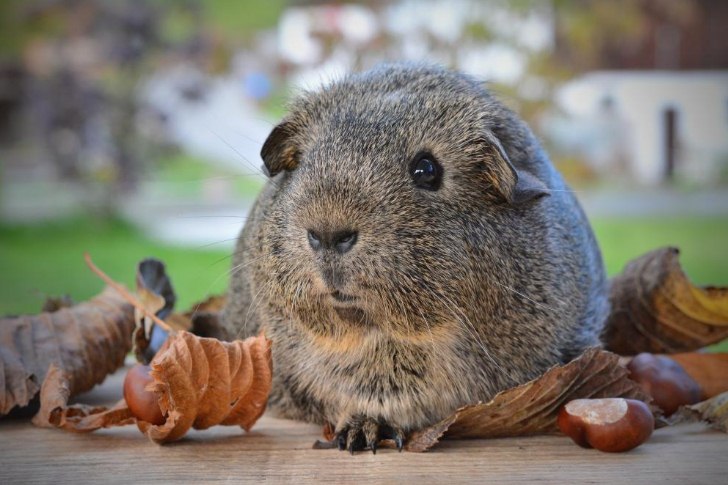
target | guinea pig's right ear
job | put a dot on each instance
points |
(278, 152)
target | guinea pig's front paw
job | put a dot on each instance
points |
(361, 432)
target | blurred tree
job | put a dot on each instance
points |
(81, 62)
(639, 34)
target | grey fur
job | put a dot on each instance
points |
(465, 291)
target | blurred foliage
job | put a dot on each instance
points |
(240, 18)
(187, 176)
(83, 62)
(233, 20)
(591, 32)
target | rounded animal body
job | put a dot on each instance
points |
(413, 251)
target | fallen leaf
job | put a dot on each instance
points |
(154, 292)
(70, 378)
(202, 382)
(203, 319)
(199, 383)
(211, 304)
(532, 408)
(714, 411)
(209, 324)
(656, 309)
(88, 341)
(53, 304)
(55, 412)
(151, 276)
(425, 439)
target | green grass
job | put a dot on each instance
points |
(40, 261)
(235, 18)
(703, 243)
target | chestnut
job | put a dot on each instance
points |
(142, 403)
(665, 380)
(610, 424)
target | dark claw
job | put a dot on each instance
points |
(341, 439)
(361, 433)
(399, 442)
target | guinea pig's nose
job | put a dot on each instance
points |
(341, 241)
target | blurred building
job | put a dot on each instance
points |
(650, 126)
(660, 111)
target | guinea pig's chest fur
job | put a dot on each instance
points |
(414, 251)
(410, 383)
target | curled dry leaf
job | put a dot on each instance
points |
(199, 382)
(55, 412)
(155, 293)
(211, 304)
(532, 408)
(656, 309)
(203, 319)
(88, 341)
(714, 411)
(202, 382)
(157, 297)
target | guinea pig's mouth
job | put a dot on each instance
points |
(342, 297)
(348, 308)
(353, 315)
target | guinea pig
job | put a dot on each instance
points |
(413, 251)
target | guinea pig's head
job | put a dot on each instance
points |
(384, 185)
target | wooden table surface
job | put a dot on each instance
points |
(281, 451)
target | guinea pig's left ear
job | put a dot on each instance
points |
(279, 151)
(515, 186)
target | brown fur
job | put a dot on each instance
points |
(462, 292)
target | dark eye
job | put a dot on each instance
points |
(426, 172)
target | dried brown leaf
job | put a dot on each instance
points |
(532, 408)
(53, 304)
(151, 303)
(656, 309)
(88, 341)
(424, 439)
(202, 382)
(55, 412)
(202, 319)
(714, 411)
(211, 304)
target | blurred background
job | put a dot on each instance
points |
(132, 128)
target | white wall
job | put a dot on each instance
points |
(640, 99)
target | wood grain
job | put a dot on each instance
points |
(280, 451)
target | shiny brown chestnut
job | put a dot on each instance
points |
(610, 424)
(142, 403)
(665, 380)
